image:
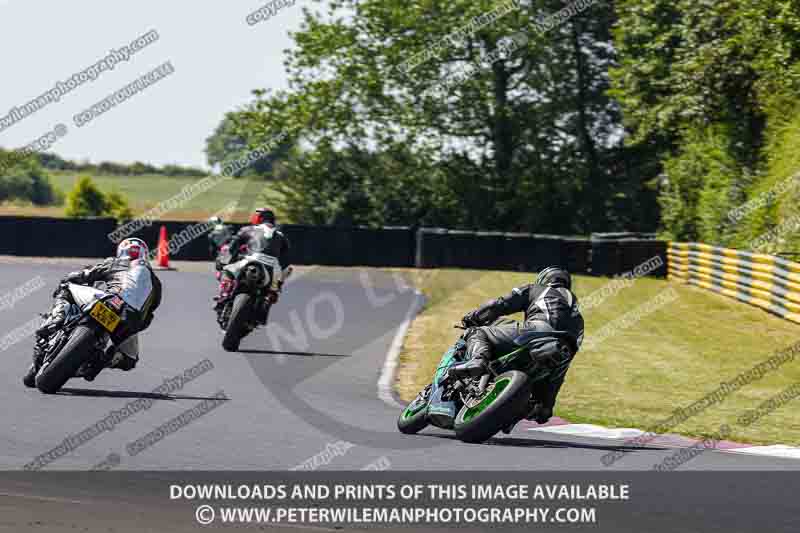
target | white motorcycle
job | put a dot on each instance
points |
(252, 292)
(94, 318)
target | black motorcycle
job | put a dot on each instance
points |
(250, 295)
(479, 406)
(93, 318)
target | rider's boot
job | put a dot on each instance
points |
(262, 312)
(478, 352)
(473, 368)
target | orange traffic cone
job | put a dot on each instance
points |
(162, 259)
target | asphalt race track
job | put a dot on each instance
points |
(301, 394)
(304, 387)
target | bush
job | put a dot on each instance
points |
(29, 182)
(86, 200)
(118, 206)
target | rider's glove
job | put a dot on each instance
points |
(272, 297)
(61, 286)
(540, 413)
(471, 319)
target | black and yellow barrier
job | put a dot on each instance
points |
(769, 282)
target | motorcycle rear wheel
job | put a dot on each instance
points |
(66, 363)
(504, 403)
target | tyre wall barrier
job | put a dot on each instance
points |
(342, 246)
(442, 248)
(310, 245)
(769, 282)
(613, 257)
(56, 237)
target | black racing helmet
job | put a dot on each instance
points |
(555, 277)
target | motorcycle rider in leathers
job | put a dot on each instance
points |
(220, 234)
(549, 304)
(129, 276)
(261, 236)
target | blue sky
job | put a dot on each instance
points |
(218, 59)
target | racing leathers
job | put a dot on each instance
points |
(546, 308)
(134, 282)
(262, 238)
(219, 235)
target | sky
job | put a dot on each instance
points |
(217, 56)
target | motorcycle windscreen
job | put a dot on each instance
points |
(84, 295)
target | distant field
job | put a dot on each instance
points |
(143, 193)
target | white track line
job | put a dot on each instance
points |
(592, 431)
(44, 498)
(386, 381)
(776, 450)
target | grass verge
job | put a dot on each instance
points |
(638, 376)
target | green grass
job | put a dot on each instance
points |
(145, 192)
(637, 377)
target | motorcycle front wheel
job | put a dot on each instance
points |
(414, 417)
(503, 403)
(236, 322)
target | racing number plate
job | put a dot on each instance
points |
(105, 316)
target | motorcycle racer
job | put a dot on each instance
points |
(549, 304)
(262, 236)
(127, 275)
(220, 234)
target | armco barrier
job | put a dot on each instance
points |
(766, 281)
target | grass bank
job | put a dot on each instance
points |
(638, 374)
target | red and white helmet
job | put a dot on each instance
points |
(263, 215)
(133, 249)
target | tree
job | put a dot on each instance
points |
(26, 180)
(229, 143)
(701, 85)
(526, 139)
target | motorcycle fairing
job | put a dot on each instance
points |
(83, 295)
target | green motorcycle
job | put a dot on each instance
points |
(477, 407)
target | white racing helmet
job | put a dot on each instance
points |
(133, 249)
